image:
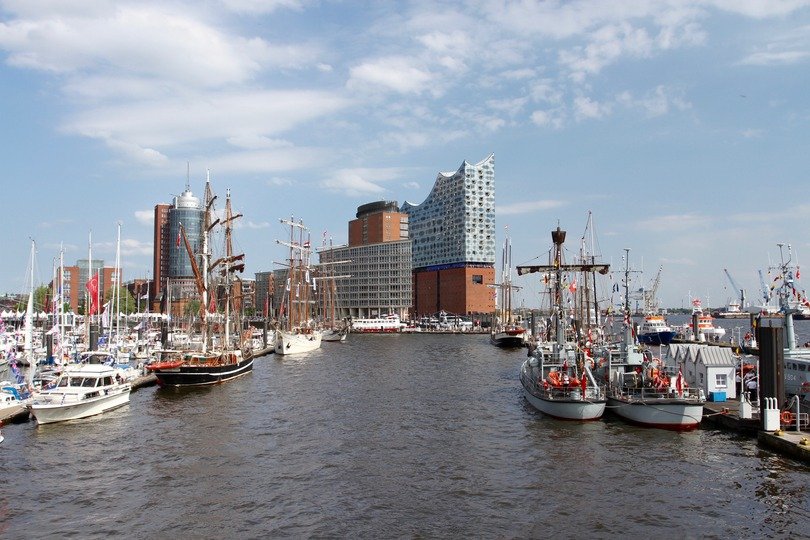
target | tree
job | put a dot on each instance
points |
(191, 308)
(126, 299)
(41, 295)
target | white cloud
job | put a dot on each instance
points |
(586, 108)
(554, 118)
(396, 73)
(655, 103)
(145, 217)
(257, 7)
(257, 225)
(360, 182)
(526, 207)
(411, 185)
(775, 58)
(239, 116)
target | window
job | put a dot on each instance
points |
(478, 278)
(721, 380)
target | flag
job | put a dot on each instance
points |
(573, 287)
(177, 243)
(797, 273)
(306, 244)
(92, 290)
(565, 365)
(584, 383)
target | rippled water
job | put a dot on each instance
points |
(385, 436)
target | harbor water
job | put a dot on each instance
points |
(424, 436)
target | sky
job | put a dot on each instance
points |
(681, 126)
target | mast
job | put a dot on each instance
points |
(28, 344)
(117, 283)
(557, 266)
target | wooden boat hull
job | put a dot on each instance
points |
(202, 374)
(293, 343)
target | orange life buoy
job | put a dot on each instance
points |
(787, 418)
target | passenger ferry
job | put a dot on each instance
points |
(381, 325)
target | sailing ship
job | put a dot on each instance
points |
(224, 353)
(556, 378)
(297, 332)
(505, 332)
(332, 330)
(641, 389)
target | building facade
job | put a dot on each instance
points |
(74, 282)
(171, 263)
(453, 240)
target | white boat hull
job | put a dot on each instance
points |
(566, 409)
(47, 413)
(666, 413)
(290, 343)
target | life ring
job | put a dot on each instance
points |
(787, 418)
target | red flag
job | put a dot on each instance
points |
(679, 382)
(584, 383)
(573, 287)
(797, 273)
(177, 244)
(92, 290)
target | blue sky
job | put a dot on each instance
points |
(682, 125)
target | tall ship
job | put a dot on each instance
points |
(506, 333)
(297, 332)
(557, 378)
(224, 351)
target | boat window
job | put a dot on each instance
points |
(107, 381)
(89, 382)
(76, 381)
(63, 382)
(802, 367)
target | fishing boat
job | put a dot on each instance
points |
(297, 332)
(505, 333)
(224, 353)
(556, 378)
(641, 389)
(82, 391)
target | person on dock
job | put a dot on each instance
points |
(752, 386)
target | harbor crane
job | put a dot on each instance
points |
(740, 291)
(650, 300)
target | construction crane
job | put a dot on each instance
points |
(650, 301)
(740, 291)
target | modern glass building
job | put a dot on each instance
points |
(188, 212)
(453, 236)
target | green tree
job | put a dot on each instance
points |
(127, 301)
(191, 308)
(41, 295)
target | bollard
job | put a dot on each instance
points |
(770, 414)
